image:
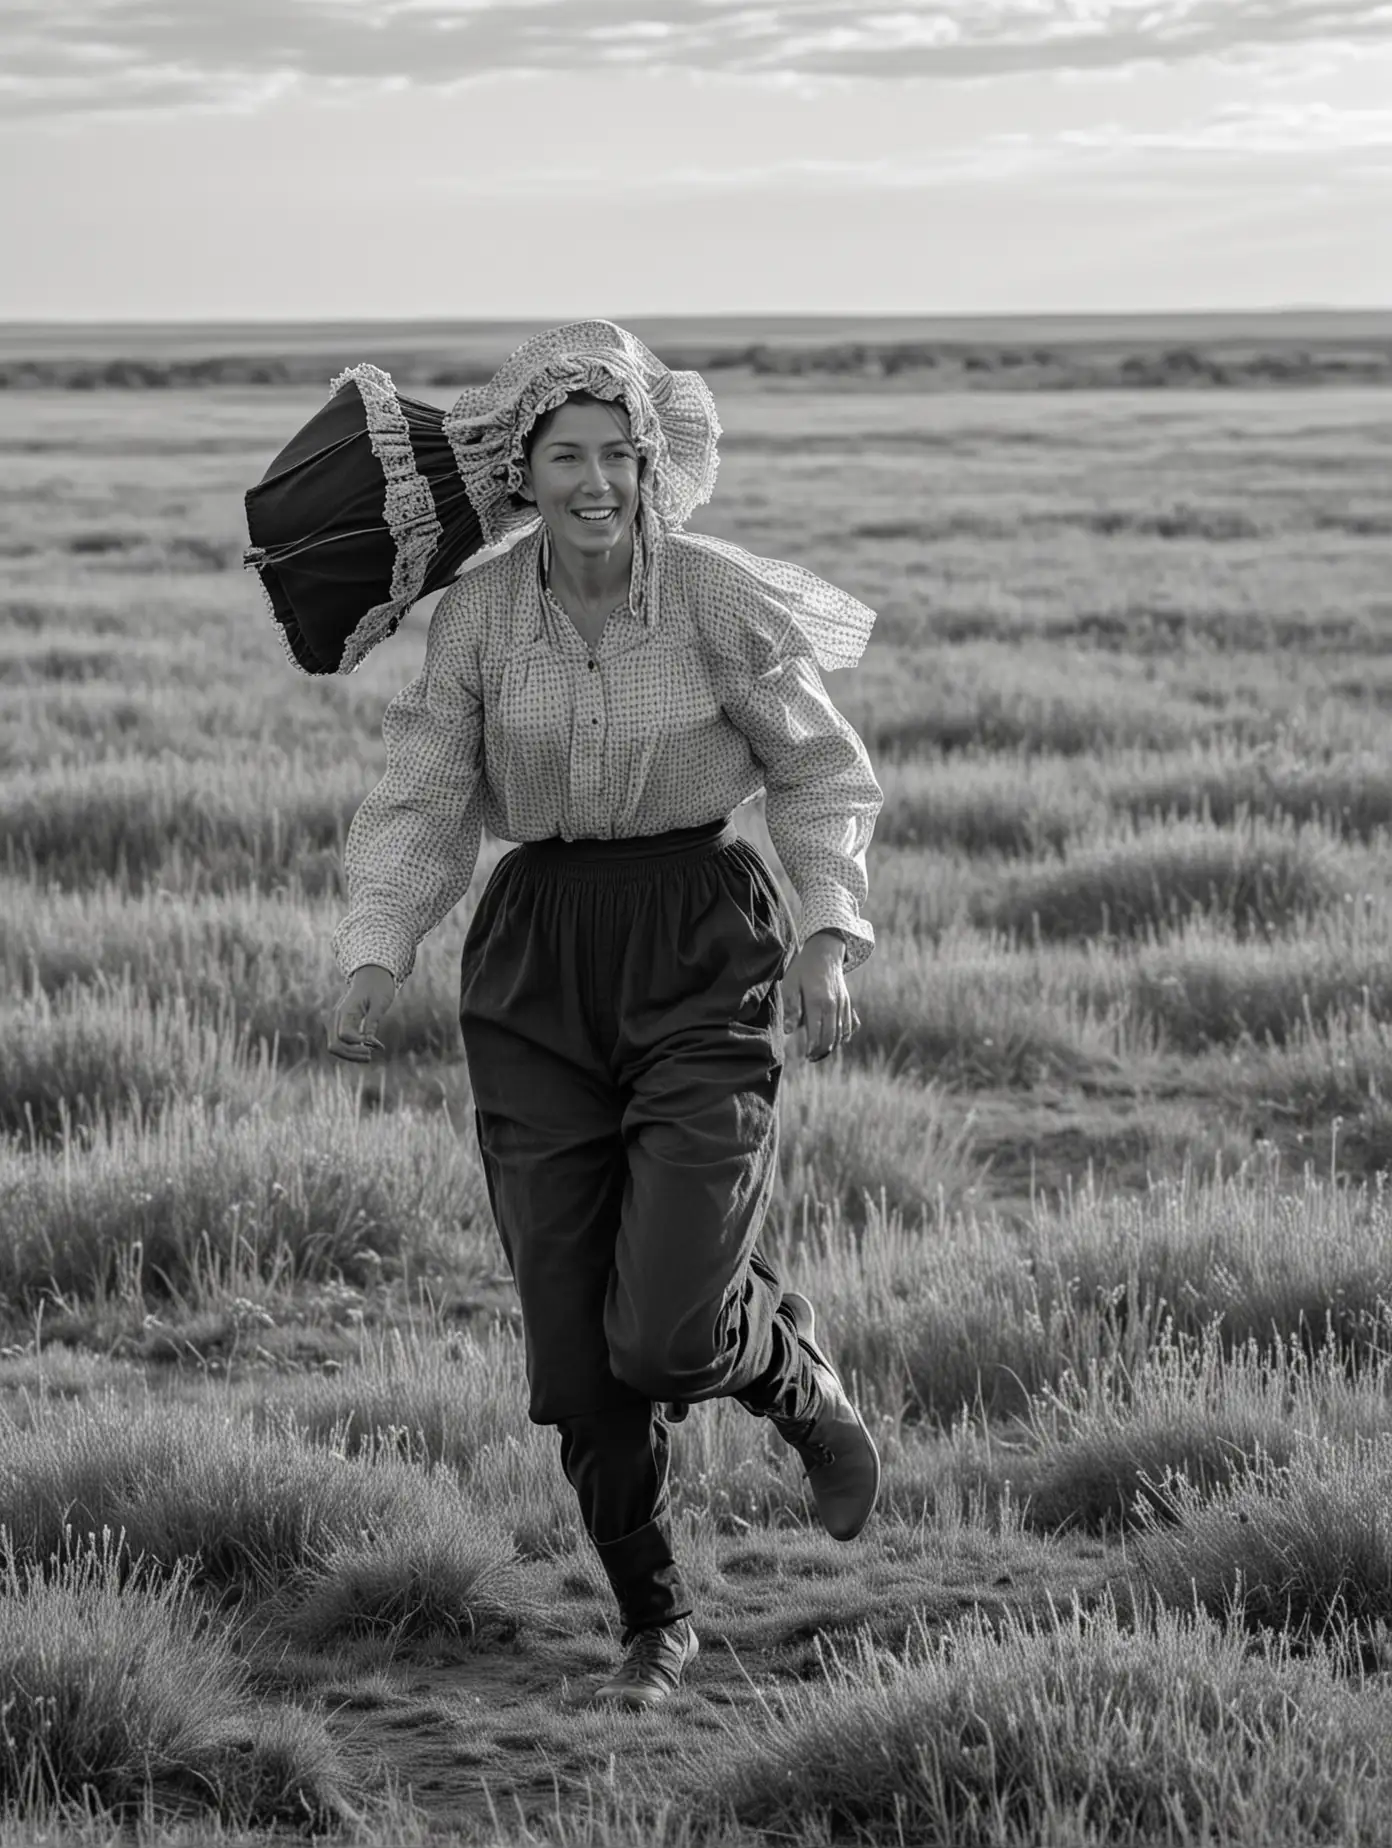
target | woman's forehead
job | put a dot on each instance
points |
(597, 421)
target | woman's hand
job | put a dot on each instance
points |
(354, 1022)
(815, 996)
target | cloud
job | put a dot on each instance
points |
(65, 56)
(1269, 145)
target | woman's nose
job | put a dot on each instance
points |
(594, 475)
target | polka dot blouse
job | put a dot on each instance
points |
(671, 721)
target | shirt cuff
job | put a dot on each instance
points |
(353, 948)
(837, 912)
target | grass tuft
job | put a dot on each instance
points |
(196, 1202)
(1302, 1547)
(450, 1577)
(857, 1133)
(1255, 877)
(249, 1514)
(84, 1056)
(1191, 1411)
(1076, 1730)
(117, 1688)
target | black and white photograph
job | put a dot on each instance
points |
(696, 923)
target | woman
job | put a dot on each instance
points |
(605, 692)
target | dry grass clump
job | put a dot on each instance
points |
(248, 1514)
(857, 1133)
(964, 1313)
(84, 1056)
(1012, 802)
(199, 826)
(1199, 986)
(117, 1690)
(1302, 1546)
(1265, 1256)
(1072, 1731)
(447, 1574)
(438, 1400)
(1254, 876)
(1100, 1442)
(194, 1204)
(982, 696)
(1348, 794)
(993, 803)
(977, 1010)
(971, 1012)
(77, 722)
(48, 658)
(1338, 1067)
(262, 957)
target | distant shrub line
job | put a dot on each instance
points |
(974, 366)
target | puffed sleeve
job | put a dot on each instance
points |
(413, 844)
(821, 795)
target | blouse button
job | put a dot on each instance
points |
(593, 666)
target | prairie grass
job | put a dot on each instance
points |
(443, 1400)
(1100, 1442)
(118, 1690)
(1008, 802)
(1092, 1209)
(82, 722)
(193, 1206)
(1302, 1547)
(69, 1061)
(1199, 988)
(979, 1314)
(249, 1515)
(1255, 878)
(848, 1137)
(977, 1009)
(975, 1012)
(261, 956)
(1078, 1730)
(197, 826)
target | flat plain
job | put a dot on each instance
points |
(1094, 1208)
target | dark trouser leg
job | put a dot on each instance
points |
(692, 1306)
(549, 1133)
(618, 1466)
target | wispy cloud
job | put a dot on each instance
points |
(62, 56)
(1313, 135)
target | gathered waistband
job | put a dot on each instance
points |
(632, 857)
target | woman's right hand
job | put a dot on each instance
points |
(354, 1022)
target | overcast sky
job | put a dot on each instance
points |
(162, 159)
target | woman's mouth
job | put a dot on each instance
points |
(596, 516)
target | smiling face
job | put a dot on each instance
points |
(582, 462)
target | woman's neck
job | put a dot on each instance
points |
(588, 580)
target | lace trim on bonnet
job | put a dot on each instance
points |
(409, 508)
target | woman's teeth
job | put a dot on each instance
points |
(595, 516)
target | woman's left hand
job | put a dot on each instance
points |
(815, 995)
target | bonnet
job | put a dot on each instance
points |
(671, 417)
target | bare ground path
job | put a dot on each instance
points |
(481, 1738)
